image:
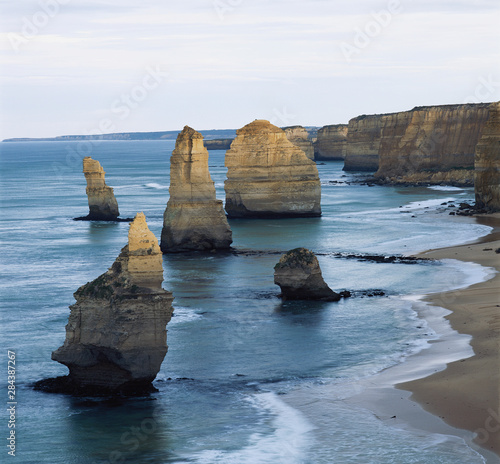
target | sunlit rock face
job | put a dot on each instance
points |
(300, 138)
(268, 176)
(194, 219)
(102, 202)
(116, 336)
(431, 144)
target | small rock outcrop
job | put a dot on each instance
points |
(299, 276)
(331, 143)
(269, 177)
(300, 138)
(102, 202)
(116, 336)
(487, 163)
(194, 219)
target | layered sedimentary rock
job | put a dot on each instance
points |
(268, 176)
(299, 276)
(300, 138)
(363, 142)
(331, 143)
(116, 335)
(194, 218)
(102, 202)
(432, 144)
(487, 163)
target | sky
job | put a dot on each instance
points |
(93, 67)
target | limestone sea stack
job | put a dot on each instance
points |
(102, 202)
(299, 276)
(269, 177)
(194, 219)
(331, 143)
(487, 163)
(300, 138)
(116, 336)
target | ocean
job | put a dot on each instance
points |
(238, 356)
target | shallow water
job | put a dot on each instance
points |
(235, 350)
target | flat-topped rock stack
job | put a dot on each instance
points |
(116, 333)
(102, 202)
(269, 177)
(487, 163)
(194, 219)
(299, 136)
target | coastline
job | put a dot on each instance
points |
(466, 394)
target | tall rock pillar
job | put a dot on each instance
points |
(116, 337)
(102, 202)
(194, 219)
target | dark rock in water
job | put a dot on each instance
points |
(299, 276)
(116, 335)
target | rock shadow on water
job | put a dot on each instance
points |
(120, 431)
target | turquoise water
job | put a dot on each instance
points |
(235, 350)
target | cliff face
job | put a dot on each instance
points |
(487, 163)
(268, 176)
(300, 138)
(102, 202)
(116, 336)
(194, 218)
(331, 143)
(299, 276)
(431, 144)
(363, 142)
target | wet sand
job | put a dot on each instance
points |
(466, 394)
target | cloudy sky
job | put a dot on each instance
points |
(88, 66)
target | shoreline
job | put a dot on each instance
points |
(400, 397)
(466, 394)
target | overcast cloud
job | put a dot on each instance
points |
(69, 65)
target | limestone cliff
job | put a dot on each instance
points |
(300, 138)
(331, 143)
(299, 276)
(194, 218)
(102, 202)
(432, 144)
(116, 336)
(487, 163)
(363, 142)
(268, 176)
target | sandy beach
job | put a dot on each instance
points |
(466, 394)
